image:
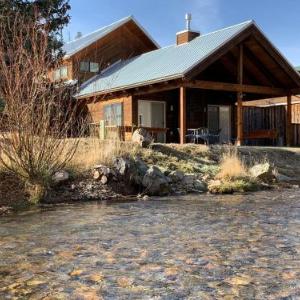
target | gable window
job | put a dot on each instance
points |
(94, 67)
(61, 73)
(86, 66)
(113, 114)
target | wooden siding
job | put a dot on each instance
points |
(272, 117)
(123, 43)
(96, 111)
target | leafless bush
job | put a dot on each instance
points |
(39, 115)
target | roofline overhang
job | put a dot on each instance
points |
(122, 22)
(132, 86)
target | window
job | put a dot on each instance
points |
(61, 73)
(94, 67)
(86, 66)
(113, 114)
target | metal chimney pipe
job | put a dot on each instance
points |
(188, 19)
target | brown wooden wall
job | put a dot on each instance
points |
(273, 117)
(96, 111)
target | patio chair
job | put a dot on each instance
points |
(214, 136)
(202, 134)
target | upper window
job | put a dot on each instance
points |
(61, 73)
(113, 114)
(86, 66)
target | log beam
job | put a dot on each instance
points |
(233, 87)
(182, 115)
(289, 132)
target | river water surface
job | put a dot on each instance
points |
(198, 247)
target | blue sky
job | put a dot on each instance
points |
(279, 19)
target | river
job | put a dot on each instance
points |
(196, 247)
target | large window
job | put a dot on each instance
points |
(113, 114)
(86, 66)
(61, 73)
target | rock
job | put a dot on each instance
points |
(155, 182)
(142, 137)
(61, 176)
(137, 171)
(121, 165)
(100, 170)
(189, 179)
(263, 172)
(283, 178)
(200, 186)
(176, 176)
(104, 179)
(146, 198)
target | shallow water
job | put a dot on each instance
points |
(199, 247)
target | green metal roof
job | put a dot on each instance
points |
(298, 69)
(159, 65)
(74, 46)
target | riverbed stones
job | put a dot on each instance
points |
(263, 172)
(155, 182)
(142, 137)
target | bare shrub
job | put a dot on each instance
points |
(39, 115)
(231, 166)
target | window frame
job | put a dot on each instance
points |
(114, 118)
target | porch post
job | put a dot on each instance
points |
(182, 115)
(289, 138)
(240, 127)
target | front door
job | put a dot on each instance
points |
(219, 119)
(152, 114)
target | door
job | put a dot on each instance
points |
(219, 118)
(152, 114)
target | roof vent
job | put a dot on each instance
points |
(187, 35)
(188, 19)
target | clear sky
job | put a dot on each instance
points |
(279, 19)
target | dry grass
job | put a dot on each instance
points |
(93, 151)
(231, 166)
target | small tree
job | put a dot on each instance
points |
(39, 115)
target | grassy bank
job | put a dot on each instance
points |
(224, 169)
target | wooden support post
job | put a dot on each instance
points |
(289, 137)
(240, 126)
(182, 115)
(240, 129)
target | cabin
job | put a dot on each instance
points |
(194, 89)
(88, 55)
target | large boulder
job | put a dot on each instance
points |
(263, 172)
(142, 137)
(155, 182)
(121, 165)
(138, 170)
(176, 176)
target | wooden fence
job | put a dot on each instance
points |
(270, 118)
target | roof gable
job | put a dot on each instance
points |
(163, 64)
(77, 45)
